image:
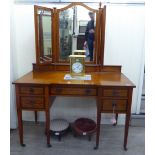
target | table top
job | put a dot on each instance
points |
(97, 78)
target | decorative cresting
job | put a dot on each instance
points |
(78, 3)
(53, 45)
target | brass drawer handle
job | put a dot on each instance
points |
(32, 103)
(58, 90)
(114, 104)
(115, 93)
(31, 90)
(88, 91)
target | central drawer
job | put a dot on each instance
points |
(110, 105)
(32, 90)
(32, 102)
(73, 91)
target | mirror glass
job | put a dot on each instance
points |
(44, 28)
(77, 33)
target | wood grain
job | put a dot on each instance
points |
(98, 79)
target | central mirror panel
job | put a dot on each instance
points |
(77, 27)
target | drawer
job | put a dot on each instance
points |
(73, 91)
(31, 90)
(116, 105)
(32, 102)
(115, 92)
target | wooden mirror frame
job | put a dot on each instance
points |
(38, 38)
(55, 64)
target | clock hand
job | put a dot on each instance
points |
(77, 66)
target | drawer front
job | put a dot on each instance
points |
(32, 102)
(114, 105)
(115, 92)
(73, 91)
(31, 90)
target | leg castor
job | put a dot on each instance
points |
(96, 147)
(115, 124)
(74, 135)
(125, 148)
(49, 145)
(59, 138)
(23, 145)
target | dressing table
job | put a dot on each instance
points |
(56, 32)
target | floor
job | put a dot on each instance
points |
(111, 142)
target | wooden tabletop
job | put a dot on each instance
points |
(97, 78)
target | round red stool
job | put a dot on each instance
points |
(84, 127)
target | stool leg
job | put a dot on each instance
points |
(74, 134)
(36, 116)
(59, 137)
(89, 137)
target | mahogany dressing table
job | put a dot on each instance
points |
(112, 89)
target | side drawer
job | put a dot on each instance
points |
(110, 105)
(31, 90)
(115, 92)
(32, 102)
(73, 91)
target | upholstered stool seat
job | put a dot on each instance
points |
(84, 126)
(58, 127)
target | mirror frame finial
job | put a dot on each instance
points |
(100, 4)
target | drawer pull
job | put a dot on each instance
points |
(31, 90)
(32, 103)
(88, 91)
(114, 104)
(58, 90)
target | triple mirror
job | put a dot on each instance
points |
(61, 32)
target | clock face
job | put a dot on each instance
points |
(77, 67)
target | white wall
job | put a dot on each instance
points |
(124, 43)
(124, 46)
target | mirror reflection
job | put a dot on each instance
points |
(44, 26)
(65, 33)
(77, 32)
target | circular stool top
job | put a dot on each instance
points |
(58, 125)
(84, 126)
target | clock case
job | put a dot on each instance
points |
(74, 59)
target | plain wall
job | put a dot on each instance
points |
(124, 45)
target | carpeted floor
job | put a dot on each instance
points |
(111, 142)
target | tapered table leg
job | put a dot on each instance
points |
(98, 131)
(126, 131)
(127, 119)
(20, 126)
(98, 123)
(48, 127)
